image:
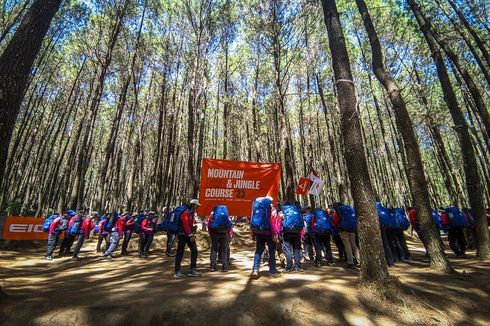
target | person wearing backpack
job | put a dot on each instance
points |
(69, 238)
(399, 232)
(219, 226)
(454, 221)
(336, 234)
(470, 231)
(128, 232)
(308, 237)
(384, 216)
(102, 234)
(148, 226)
(115, 227)
(265, 226)
(321, 226)
(87, 224)
(58, 225)
(292, 230)
(169, 252)
(348, 227)
(186, 237)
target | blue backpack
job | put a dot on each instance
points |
(307, 218)
(384, 215)
(456, 217)
(171, 222)
(76, 226)
(221, 220)
(47, 222)
(137, 222)
(292, 220)
(96, 227)
(401, 217)
(111, 222)
(348, 218)
(323, 222)
(437, 219)
(261, 212)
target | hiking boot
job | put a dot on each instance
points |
(351, 266)
(194, 273)
(255, 274)
(179, 274)
(299, 270)
(274, 275)
(75, 258)
(212, 269)
(225, 270)
(48, 258)
(124, 253)
(318, 265)
(330, 263)
(170, 254)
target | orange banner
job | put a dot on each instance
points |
(24, 228)
(236, 184)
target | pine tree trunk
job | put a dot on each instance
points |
(418, 183)
(15, 67)
(373, 268)
(473, 182)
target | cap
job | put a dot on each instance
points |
(151, 212)
(126, 214)
(70, 212)
(94, 213)
(195, 202)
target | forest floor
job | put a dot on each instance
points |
(129, 290)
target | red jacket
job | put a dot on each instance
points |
(335, 219)
(129, 226)
(101, 227)
(119, 227)
(87, 226)
(71, 222)
(147, 226)
(211, 217)
(55, 224)
(187, 220)
(412, 216)
(444, 219)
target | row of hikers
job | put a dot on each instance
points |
(294, 233)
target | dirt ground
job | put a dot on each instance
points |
(133, 291)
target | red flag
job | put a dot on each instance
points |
(303, 186)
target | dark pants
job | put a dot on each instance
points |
(340, 247)
(149, 241)
(321, 241)
(182, 241)
(292, 250)
(66, 244)
(457, 241)
(78, 246)
(395, 245)
(114, 243)
(387, 248)
(260, 241)
(170, 242)
(219, 243)
(52, 243)
(400, 235)
(103, 236)
(127, 236)
(142, 243)
(308, 247)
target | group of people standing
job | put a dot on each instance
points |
(296, 234)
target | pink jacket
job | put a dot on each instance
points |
(275, 223)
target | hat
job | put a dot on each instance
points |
(94, 213)
(195, 202)
(151, 212)
(70, 212)
(126, 214)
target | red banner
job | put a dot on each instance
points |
(236, 184)
(24, 228)
(303, 186)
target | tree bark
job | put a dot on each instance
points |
(15, 67)
(373, 268)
